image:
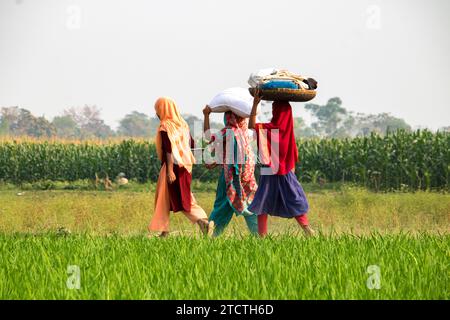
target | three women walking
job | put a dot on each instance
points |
(279, 193)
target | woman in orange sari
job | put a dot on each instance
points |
(173, 190)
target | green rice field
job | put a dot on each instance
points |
(284, 267)
(90, 244)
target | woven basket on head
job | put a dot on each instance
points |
(297, 95)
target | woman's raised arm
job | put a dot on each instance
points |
(256, 100)
(206, 127)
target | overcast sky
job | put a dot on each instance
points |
(378, 56)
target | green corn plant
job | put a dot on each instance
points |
(419, 160)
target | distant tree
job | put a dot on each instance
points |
(4, 127)
(302, 130)
(88, 120)
(333, 120)
(154, 125)
(192, 120)
(29, 125)
(137, 124)
(386, 123)
(66, 127)
(444, 129)
(380, 123)
(43, 128)
(4, 123)
(20, 122)
(328, 117)
(195, 123)
(97, 129)
(84, 116)
(9, 118)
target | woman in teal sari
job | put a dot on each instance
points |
(237, 185)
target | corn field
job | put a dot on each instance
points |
(400, 160)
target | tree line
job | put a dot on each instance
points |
(329, 120)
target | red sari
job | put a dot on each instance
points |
(279, 194)
(282, 120)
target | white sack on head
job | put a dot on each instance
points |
(237, 100)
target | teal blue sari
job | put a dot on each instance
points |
(223, 211)
(234, 190)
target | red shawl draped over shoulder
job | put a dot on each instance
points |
(283, 121)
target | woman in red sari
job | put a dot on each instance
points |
(279, 192)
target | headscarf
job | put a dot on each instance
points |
(239, 172)
(178, 132)
(282, 120)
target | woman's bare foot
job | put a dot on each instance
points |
(262, 235)
(206, 227)
(211, 226)
(309, 232)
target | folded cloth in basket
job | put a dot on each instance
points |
(277, 84)
(237, 100)
(258, 79)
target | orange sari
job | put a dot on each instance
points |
(179, 136)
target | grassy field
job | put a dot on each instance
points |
(42, 233)
(334, 209)
(285, 267)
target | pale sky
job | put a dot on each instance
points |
(377, 55)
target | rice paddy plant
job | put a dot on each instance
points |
(288, 267)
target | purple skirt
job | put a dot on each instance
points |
(279, 195)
